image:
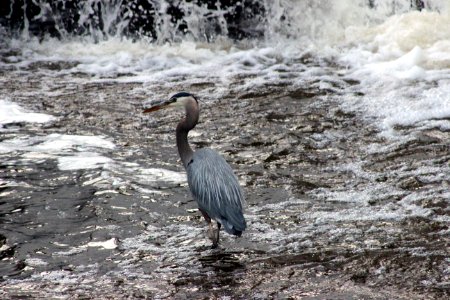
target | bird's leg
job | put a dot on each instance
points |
(215, 238)
(205, 215)
(212, 232)
(213, 235)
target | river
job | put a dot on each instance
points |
(335, 116)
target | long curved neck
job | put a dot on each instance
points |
(183, 128)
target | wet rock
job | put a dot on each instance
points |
(382, 178)
(277, 117)
(308, 173)
(253, 95)
(437, 202)
(277, 155)
(250, 142)
(411, 183)
(6, 251)
(372, 202)
(360, 277)
(304, 94)
(301, 185)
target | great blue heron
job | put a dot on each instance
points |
(210, 178)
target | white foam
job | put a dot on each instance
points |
(390, 66)
(108, 244)
(73, 152)
(12, 113)
(433, 103)
(84, 160)
(403, 65)
(402, 33)
(121, 55)
(159, 174)
(54, 143)
(63, 142)
(35, 262)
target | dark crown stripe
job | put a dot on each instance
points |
(183, 94)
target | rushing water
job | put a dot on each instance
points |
(335, 115)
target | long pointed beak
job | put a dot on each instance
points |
(152, 109)
(157, 106)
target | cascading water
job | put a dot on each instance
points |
(155, 20)
(334, 115)
(199, 20)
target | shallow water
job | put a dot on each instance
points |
(342, 151)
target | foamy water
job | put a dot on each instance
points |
(401, 62)
(13, 113)
(72, 152)
(403, 65)
(398, 63)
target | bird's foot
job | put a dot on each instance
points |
(213, 235)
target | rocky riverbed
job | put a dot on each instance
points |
(334, 208)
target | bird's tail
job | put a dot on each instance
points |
(237, 233)
(235, 228)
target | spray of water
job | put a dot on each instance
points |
(326, 21)
(155, 20)
(174, 21)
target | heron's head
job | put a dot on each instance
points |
(179, 99)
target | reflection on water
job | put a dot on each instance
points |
(221, 262)
(220, 268)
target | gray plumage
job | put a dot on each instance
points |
(211, 179)
(216, 189)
